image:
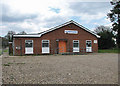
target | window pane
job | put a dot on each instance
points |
(28, 41)
(45, 41)
(28, 44)
(75, 41)
(45, 44)
(88, 44)
(75, 44)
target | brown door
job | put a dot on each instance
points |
(62, 46)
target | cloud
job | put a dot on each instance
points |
(90, 8)
(56, 10)
(88, 11)
(18, 27)
(36, 16)
(8, 16)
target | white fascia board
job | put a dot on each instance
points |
(86, 29)
(39, 35)
(97, 36)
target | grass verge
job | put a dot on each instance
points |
(109, 51)
(5, 50)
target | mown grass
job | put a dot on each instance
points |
(6, 50)
(109, 51)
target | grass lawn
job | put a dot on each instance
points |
(109, 51)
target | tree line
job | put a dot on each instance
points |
(114, 16)
(107, 38)
(110, 37)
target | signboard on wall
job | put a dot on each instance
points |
(95, 41)
(71, 31)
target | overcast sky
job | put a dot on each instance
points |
(34, 16)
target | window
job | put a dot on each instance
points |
(28, 43)
(88, 44)
(45, 43)
(76, 43)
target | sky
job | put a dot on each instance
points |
(34, 16)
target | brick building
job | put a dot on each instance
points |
(69, 37)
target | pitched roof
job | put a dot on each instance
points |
(57, 27)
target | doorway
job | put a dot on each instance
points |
(62, 46)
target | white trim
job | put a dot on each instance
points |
(77, 42)
(76, 49)
(29, 48)
(89, 49)
(46, 49)
(89, 40)
(27, 35)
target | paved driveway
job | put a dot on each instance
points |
(61, 69)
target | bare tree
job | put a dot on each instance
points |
(102, 28)
(23, 32)
(9, 35)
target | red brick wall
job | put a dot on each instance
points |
(82, 36)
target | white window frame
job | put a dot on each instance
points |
(29, 40)
(88, 49)
(75, 49)
(29, 50)
(45, 42)
(46, 49)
